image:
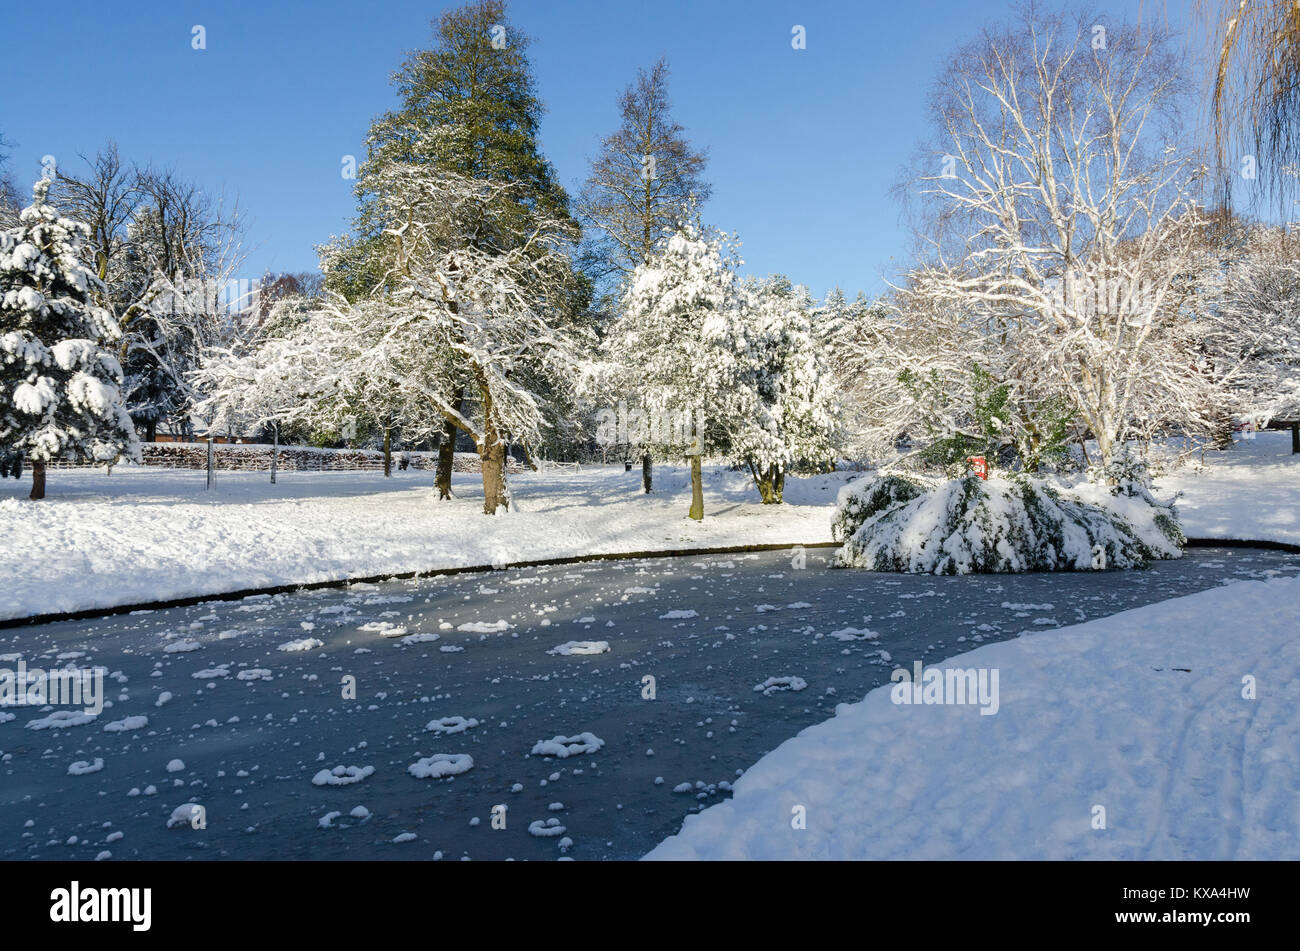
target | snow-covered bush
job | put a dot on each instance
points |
(863, 499)
(905, 523)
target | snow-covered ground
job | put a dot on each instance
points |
(1165, 732)
(1137, 720)
(1251, 492)
(151, 534)
(145, 534)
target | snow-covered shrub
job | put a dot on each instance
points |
(905, 523)
(1128, 472)
(863, 499)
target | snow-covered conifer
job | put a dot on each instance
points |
(60, 390)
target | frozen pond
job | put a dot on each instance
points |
(252, 725)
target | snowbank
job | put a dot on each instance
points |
(1132, 737)
(907, 523)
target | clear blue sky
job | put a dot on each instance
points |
(804, 145)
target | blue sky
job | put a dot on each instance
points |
(805, 145)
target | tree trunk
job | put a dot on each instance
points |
(771, 484)
(447, 451)
(1223, 432)
(647, 471)
(493, 457)
(697, 490)
(1295, 439)
(275, 450)
(38, 481)
(388, 453)
(151, 431)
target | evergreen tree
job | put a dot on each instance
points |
(60, 390)
(468, 106)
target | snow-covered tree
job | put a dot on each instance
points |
(693, 339)
(775, 390)
(468, 105)
(463, 301)
(164, 253)
(928, 378)
(332, 362)
(488, 301)
(1065, 223)
(658, 342)
(60, 389)
(1253, 340)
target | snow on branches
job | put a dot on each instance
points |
(1064, 227)
(60, 390)
(909, 524)
(742, 354)
(469, 295)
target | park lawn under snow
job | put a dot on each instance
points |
(145, 534)
(1251, 492)
(148, 534)
(1141, 714)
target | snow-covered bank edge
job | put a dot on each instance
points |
(242, 593)
(1164, 732)
(156, 536)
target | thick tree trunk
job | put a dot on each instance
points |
(275, 451)
(38, 481)
(771, 484)
(647, 471)
(1295, 439)
(697, 490)
(151, 431)
(388, 453)
(493, 457)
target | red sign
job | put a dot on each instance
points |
(980, 465)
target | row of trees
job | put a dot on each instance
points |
(467, 302)
(1071, 289)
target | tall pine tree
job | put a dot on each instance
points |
(60, 389)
